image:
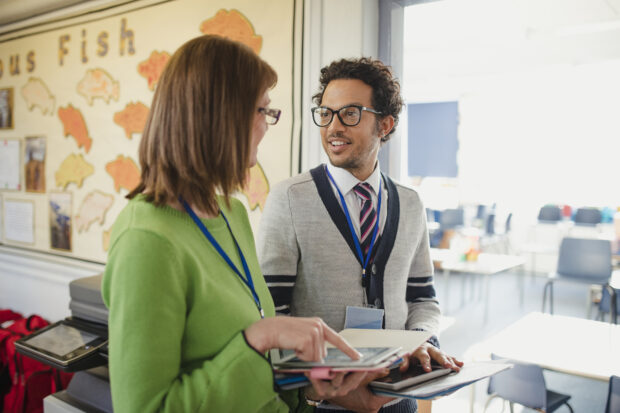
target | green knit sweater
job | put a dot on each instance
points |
(177, 315)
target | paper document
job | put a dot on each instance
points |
(9, 164)
(19, 221)
(407, 340)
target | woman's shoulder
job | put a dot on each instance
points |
(142, 216)
(234, 207)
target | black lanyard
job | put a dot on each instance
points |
(247, 280)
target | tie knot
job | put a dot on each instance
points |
(363, 190)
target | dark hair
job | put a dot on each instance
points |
(196, 141)
(385, 87)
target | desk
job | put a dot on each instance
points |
(486, 264)
(568, 345)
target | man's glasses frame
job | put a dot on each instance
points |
(340, 113)
(272, 116)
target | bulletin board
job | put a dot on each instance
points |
(74, 99)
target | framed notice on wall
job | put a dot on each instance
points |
(10, 164)
(18, 220)
(6, 108)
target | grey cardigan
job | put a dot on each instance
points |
(308, 258)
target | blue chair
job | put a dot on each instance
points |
(550, 213)
(452, 218)
(613, 397)
(524, 384)
(490, 224)
(581, 260)
(588, 216)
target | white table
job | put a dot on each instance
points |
(575, 346)
(486, 264)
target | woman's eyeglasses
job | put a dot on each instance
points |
(272, 116)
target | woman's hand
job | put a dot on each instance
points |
(307, 336)
(358, 398)
(340, 385)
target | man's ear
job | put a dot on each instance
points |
(385, 125)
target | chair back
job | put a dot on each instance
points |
(613, 397)
(523, 384)
(451, 218)
(588, 216)
(585, 259)
(508, 224)
(550, 213)
(490, 225)
(604, 305)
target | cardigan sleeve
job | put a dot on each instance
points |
(278, 251)
(422, 303)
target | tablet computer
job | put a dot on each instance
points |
(335, 358)
(414, 375)
(65, 345)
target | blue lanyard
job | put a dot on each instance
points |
(247, 280)
(356, 240)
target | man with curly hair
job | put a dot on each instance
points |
(344, 237)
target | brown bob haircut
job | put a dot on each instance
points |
(385, 87)
(197, 138)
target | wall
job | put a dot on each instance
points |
(98, 75)
(332, 30)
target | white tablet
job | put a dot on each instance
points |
(335, 358)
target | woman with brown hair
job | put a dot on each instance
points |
(191, 317)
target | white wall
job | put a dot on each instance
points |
(38, 283)
(332, 30)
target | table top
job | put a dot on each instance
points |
(485, 264)
(569, 345)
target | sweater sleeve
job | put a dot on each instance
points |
(423, 306)
(277, 247)
(146, 292)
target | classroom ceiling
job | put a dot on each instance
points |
(12, 11)
(484, 37)
(20, 14)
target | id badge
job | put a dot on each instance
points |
(363, 317)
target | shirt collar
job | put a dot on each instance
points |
(346, 181)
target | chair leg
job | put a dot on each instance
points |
(548, 285)
(486, 405)
(569, 407)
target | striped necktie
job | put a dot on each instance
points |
(368, 215)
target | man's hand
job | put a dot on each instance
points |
(427, 352)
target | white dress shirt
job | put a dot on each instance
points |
(346, 182)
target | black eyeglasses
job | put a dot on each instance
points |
(272, 116)
(349, 115)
